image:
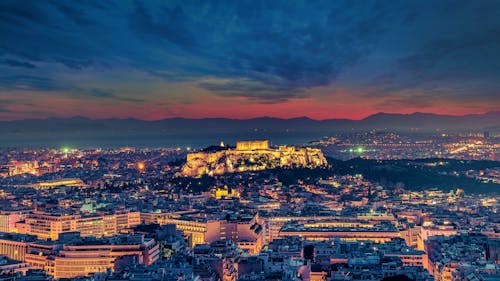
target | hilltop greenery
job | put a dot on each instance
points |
(447, 174)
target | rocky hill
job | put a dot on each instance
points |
(238, 160)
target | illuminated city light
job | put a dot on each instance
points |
(141, 166)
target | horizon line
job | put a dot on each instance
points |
(250, 118)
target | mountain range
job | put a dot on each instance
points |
(32, 130)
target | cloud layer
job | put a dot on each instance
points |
(175, 58)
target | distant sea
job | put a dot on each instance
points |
(155, 141)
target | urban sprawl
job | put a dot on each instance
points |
(354, 206)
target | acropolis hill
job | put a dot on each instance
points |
(251, 156)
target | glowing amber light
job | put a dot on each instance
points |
(140, 166)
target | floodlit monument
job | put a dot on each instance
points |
(251, 156)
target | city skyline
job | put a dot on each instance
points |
(250, 140)
(157, 60)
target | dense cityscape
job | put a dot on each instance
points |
(252, 211)
(249, 140)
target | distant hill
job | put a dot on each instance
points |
(428, 121)
(32, 130)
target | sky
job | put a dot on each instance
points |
(242, 59)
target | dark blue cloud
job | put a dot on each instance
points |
(266, 51)
(28, 82)
(170, 24)
(447, 51)
(16, 63)
(254, 91)
(109, 94)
